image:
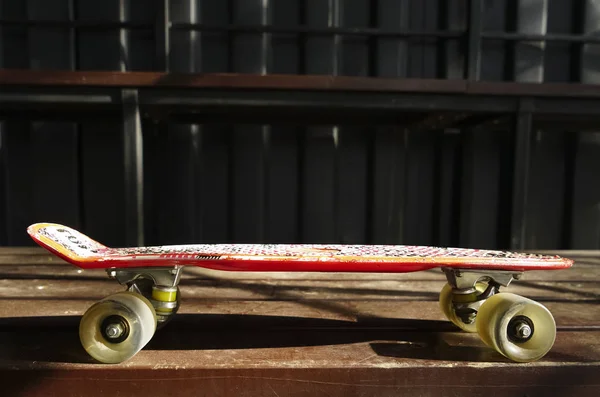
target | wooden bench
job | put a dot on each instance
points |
(240, 334)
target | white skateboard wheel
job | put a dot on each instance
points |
(517, 327)
(117, 327)
(448, 309)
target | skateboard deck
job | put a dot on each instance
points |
(84, 252)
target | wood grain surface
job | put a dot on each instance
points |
(278, 334)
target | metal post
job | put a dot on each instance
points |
(474, 36)
(161, 35)
(523, 133)
(134, 172)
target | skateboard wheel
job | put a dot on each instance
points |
(517, 327)
(447, 307)
(117, 327)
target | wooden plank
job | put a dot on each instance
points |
(575, 380)
(409, 313)
(287, 334)
(296, 290)
(256, 342)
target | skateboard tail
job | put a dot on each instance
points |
(68, 244)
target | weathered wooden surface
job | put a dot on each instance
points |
(241, 334)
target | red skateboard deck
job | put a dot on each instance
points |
(80, 250)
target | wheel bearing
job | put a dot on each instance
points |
(114, 329)
(520, 329)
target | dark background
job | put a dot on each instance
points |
(224, 181)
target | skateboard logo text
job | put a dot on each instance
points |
(75, 241)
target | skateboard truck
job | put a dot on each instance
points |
(462, 279)
(158, 284)
(469, 291)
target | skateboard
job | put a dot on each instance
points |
(117, 327)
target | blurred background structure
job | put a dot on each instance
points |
(463, 123)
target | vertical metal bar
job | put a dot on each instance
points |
(266, 67)
(474, 39)
(132, 147)
(317, 177)
(133, 157)
(161, 35)
(250, 142)
(194, 41)
(301, 43)
(177, 213)
(532, 18)
(196, 207)
(72, 36)
(392, 53)
(373, 23)
(391, 143)
(590, 72)
(523, 133)
(456, 20)
(3, 169)
(74, 65)
(336, 21)
(124, 36)
(266, 37)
